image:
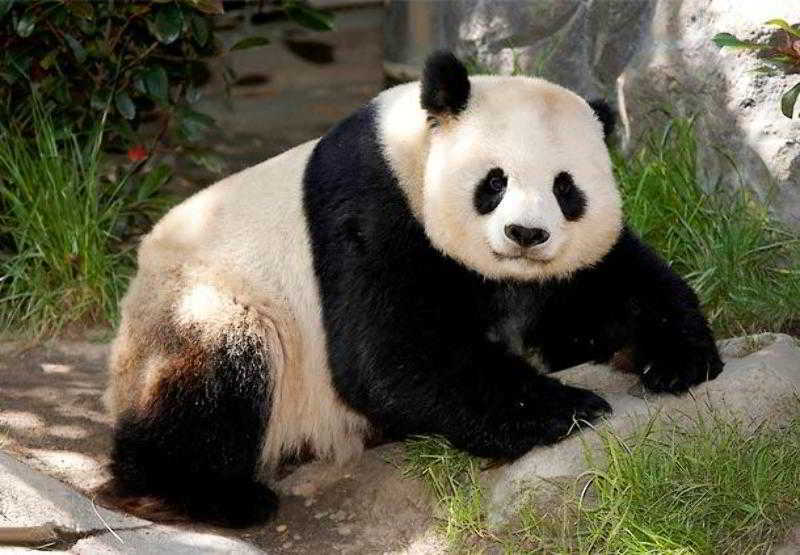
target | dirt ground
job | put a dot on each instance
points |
(51, 417)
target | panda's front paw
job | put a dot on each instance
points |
(558, 410)
(677, 372)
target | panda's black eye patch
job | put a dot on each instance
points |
(571, 199)
(490, 190)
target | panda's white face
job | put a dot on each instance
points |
(519, 185)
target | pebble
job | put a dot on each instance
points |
(338, 516)
(281, 528)
(308, 502)
(344, 530)
(296, 537)
(287, 545)
(320, 514)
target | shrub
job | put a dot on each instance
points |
(144, 59)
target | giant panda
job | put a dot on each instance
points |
(394, 277)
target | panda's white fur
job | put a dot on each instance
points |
(236, 255)
(528, 127)
(235, 259)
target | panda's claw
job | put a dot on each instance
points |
(677, 374)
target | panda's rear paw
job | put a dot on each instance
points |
(677, 373)
(560, 410)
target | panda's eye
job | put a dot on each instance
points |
(563, 184)
(496, 183)
(490, 191)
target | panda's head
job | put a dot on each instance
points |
(509, 175)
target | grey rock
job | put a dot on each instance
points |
(678, 68)
(760, 383)
(30, 498)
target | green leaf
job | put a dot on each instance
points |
(168, 23)
(25, 25)
(194, 124)
(789, 99)
(5, 6)
(784, 25)
(125, 105)
(78, 50)
(99, 99)
(81, 8)
(727, 39)
(318, 20)
(210, 161)
(156, 83)
(153, 181)
(201, 29)
(49, 60)
(250, 42)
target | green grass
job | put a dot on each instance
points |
(714, 485)
(744, 266)
(61, 262)
(452, 479)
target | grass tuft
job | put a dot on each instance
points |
(718, 486)
(744, 266)
(452, 478)
(60, 259)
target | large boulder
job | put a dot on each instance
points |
(748, 141)
(759, 385)
(650, 58)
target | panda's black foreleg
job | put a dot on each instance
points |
(195, 447)
(474, 393)
(633, 298)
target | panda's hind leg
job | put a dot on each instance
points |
(193, 449)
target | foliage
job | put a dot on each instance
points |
(63, 260)
(743, 265)
(144, 59)
(784, 56)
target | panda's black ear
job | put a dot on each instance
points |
(605, 113)
(445, 84)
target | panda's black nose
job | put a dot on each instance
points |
(526, 236)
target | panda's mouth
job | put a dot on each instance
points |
(522, 257)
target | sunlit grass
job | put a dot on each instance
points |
(60, 259)
(744, 266)
(716, 486)
(451, 476)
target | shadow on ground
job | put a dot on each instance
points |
(52, 418)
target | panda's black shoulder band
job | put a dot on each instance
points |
(445, 84)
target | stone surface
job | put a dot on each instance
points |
(287, 92)
(647, 57)
(30, 498)
(678, 68)
(583, 45)
(760, 382)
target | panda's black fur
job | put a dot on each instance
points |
(416, 341)
(412, 326)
